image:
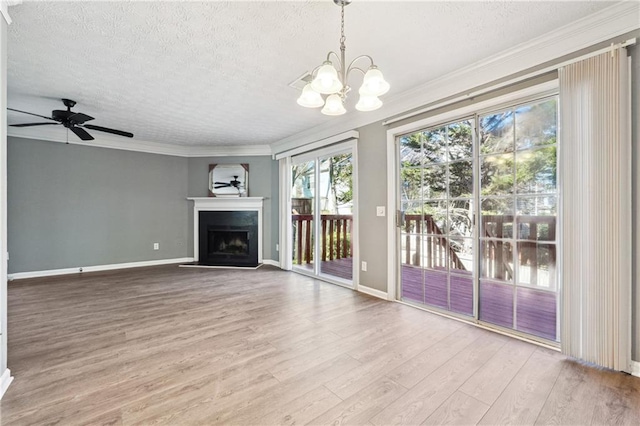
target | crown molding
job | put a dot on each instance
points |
(4, 8)
(137, 145)
(616, 20)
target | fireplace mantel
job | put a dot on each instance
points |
(225, 204)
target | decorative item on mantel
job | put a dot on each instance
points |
(229, 180)
(325, 79)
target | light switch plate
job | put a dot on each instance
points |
(380, 211)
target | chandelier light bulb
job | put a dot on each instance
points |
(310, 98)
(374, 83)
(326, 81)
(368, 103)
(333, 106)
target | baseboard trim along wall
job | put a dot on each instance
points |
(96, 268)
(635, 368)
(5, 381)
(271, 262)
(373, 292)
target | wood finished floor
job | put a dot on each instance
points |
(169, 345)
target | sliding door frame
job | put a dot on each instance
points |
(532, 93)
(347, 147)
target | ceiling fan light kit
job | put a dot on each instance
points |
(332, 81)
(74, 121)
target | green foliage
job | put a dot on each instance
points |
(515, 145)
(341, 171)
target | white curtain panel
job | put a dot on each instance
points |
(285, 212)
(595, 183)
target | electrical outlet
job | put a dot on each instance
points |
(380, 211)
(277, 247)
(364, 266)
(156, 246)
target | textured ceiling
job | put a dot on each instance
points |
(217, 73)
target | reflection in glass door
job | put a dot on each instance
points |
(518, 285)
(502, 269)
(336, 216)
(322, 203)
(302, 213)
(437, 231)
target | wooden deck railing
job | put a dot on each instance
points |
(436, 244)
(497, 249)
(498, 254)
(335, 237)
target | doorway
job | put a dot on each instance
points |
(477, 218)
(323, 203)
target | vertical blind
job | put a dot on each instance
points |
(595, 182)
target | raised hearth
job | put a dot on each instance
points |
(227, 231)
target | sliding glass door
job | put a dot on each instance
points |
(322, 219)
(437, 201)
(478, 207)
(518, 169)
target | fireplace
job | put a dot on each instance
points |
(221, 228)
(228, 238)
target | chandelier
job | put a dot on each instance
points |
(327, 79)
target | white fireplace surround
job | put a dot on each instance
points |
(208, 204)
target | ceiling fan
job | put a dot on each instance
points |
(235, 183)
(72, 120)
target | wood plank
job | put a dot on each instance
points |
(385, 358)
(360, 407)
(459, 409)
(416, 369)
(618, 401)
(573, 397)
(522, 401)
(425, 397)
(303, 409)
(488, 382)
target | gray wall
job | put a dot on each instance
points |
(261, 169)
(75, 206)
(372, 192)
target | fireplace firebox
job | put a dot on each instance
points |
(228, 238)
(223, 241)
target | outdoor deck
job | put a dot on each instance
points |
(535, 314)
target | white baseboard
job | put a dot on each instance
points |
(635, 368)
(96, 268)
(5, 381)
(271, 262)
(373, 292)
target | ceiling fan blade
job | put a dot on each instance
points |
(107, 130)
(222, 183)
(222, 186)
(81, 133)
(30, 113)
(33, 124)
(80, 118)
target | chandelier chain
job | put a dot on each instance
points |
(342, 37)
